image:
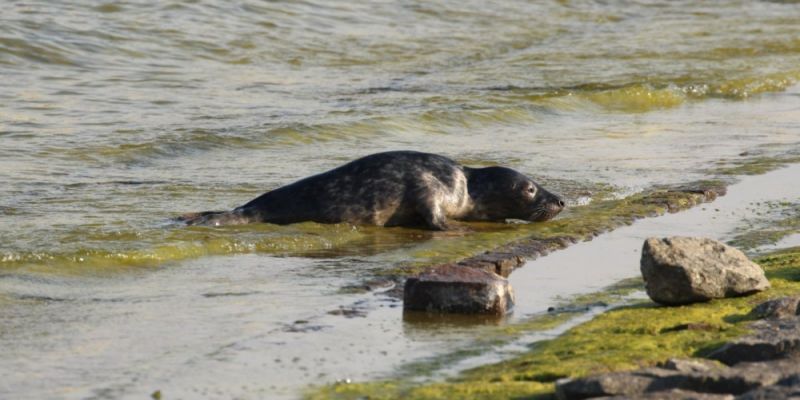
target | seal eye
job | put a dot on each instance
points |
(532, 190)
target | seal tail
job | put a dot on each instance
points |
(214, 218)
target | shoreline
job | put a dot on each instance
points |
(621, 337)
(359, 334)
(587, 302)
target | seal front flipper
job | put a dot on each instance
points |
(429, 209)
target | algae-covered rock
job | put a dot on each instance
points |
(684, 270)
(455, 289)
(771, 339)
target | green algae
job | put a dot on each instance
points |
(755, 165)
(629, 337)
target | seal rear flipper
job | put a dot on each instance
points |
(214, 218)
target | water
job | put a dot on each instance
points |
(116, 116)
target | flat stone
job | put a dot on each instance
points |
(452, 288)
(691, 365)
(785, 307)
(501, 263)
(771, 339)
(683, 270)
(674, 394)
(613, 384)
(694, 378)
(772, 393)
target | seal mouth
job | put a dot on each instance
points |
(546, 212)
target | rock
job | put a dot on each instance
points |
(785, 307)
(682, 270)
(772, 393)
(455, 289)
(501, 263)
(771, 339)
(674, 394)
(613, 384)
(506, 258)
(691, 365)
(693, 379)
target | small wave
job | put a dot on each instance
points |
(500, 106)
(647, 96)
(637, 98)
(42, 53)
(750, 86)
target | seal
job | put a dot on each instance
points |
(397, 188)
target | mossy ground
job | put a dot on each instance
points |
(629, 337)
(755, 165)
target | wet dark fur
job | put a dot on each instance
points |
(403, 188)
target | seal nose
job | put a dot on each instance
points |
(556, 203)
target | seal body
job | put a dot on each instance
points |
(399, 188)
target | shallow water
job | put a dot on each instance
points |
(117, 115)
(233, 327)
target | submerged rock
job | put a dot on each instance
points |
(455, 289)
(683, 270)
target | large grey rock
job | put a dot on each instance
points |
(771, 339)
(456, 289)
(683, 270)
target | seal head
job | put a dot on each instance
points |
(501, 193)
